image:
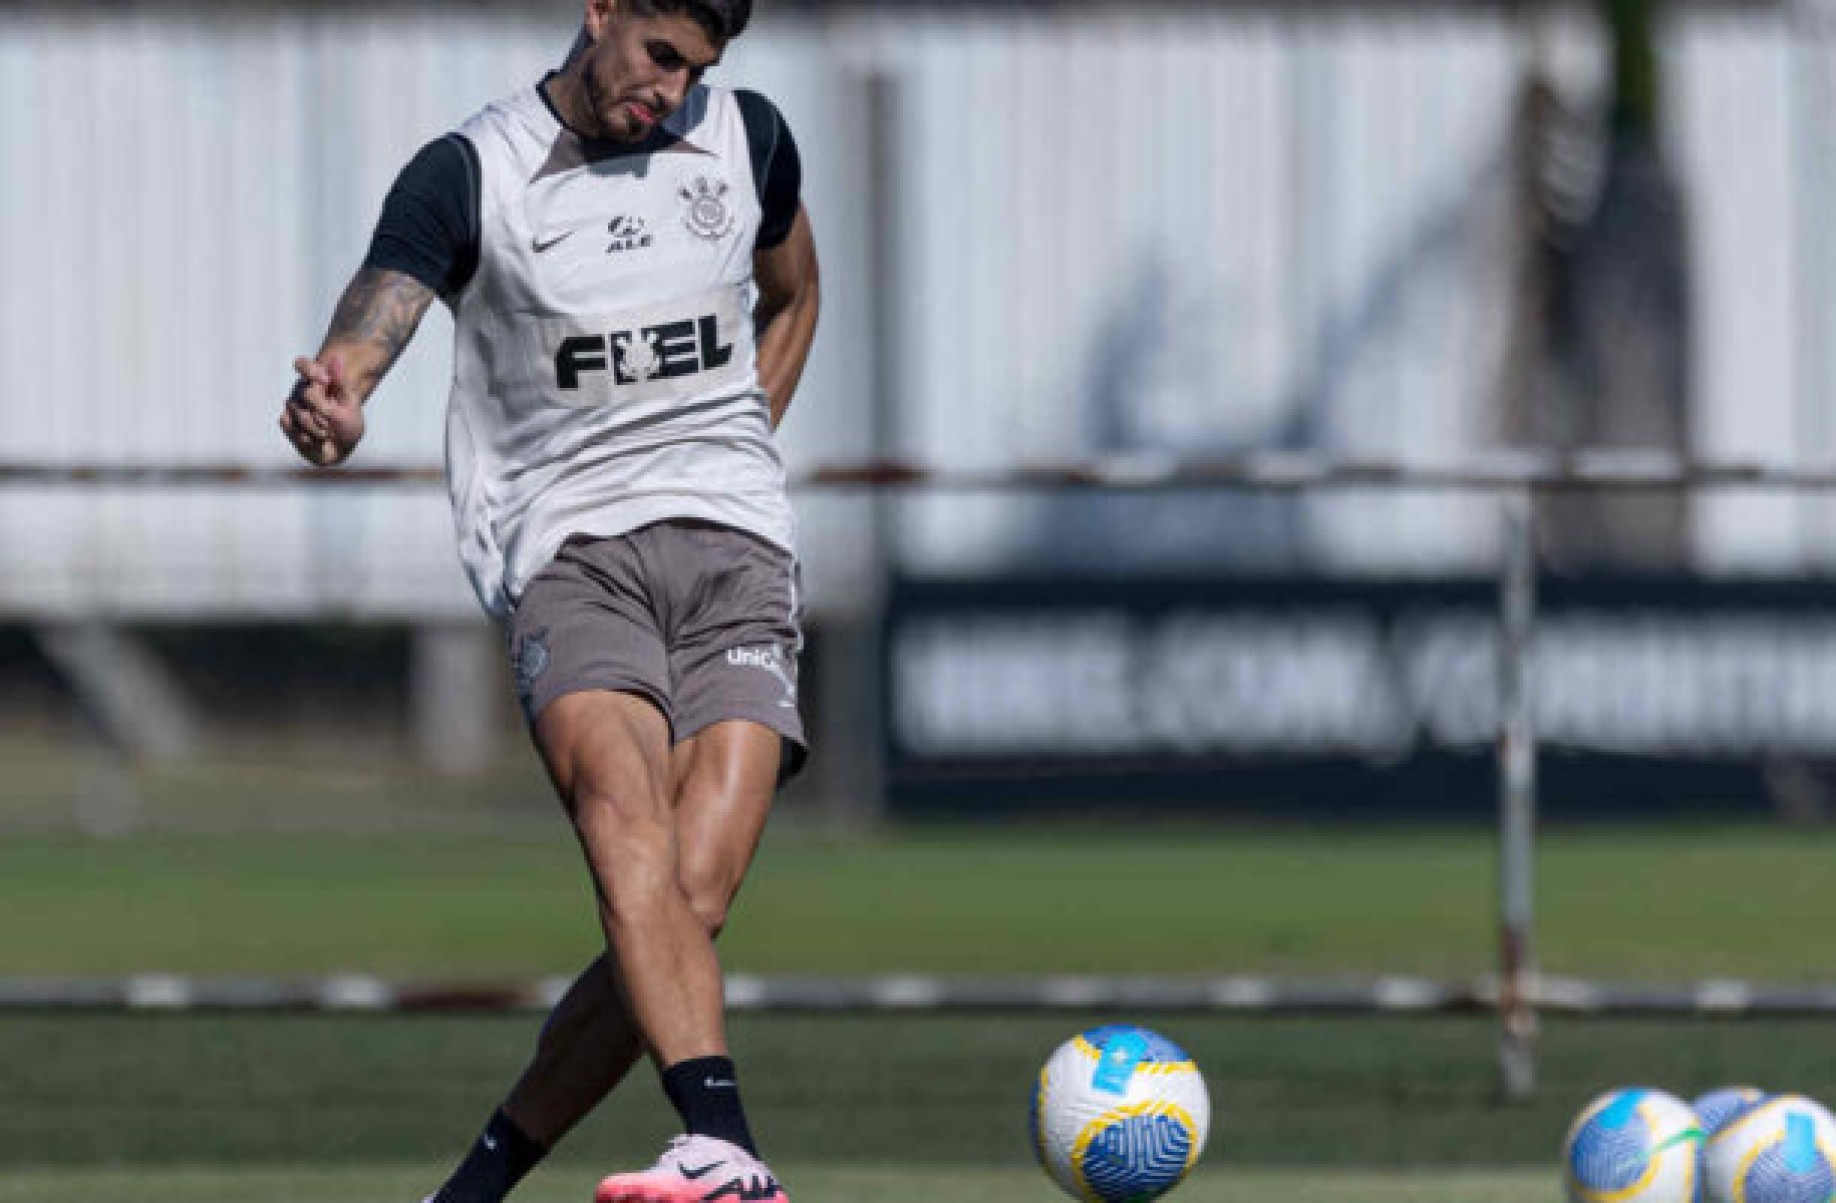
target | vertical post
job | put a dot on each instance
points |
(851, 725)
(1813, 25)
(455, 683)
(1517, 799)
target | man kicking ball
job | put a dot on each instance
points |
(633, 283)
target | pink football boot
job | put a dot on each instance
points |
(696, 1169)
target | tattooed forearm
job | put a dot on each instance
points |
(379, 310)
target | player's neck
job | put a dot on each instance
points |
(567, 97)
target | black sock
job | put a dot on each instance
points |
(498, 1161)
(706, 1092)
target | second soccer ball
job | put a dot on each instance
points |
(1782, 1151)
(1633, 1146)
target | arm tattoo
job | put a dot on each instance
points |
(381, 308)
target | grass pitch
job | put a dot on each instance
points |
(306, 1108)
(1354, 1094)
(809, 1183)
(1642, 904)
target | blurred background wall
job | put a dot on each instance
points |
(1046, 233)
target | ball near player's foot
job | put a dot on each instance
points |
(1119, 1113)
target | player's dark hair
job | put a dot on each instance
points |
(723, 19)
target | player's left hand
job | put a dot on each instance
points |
(323, 415)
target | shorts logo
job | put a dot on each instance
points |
(530, 661)
(769, 657)
(708, 216)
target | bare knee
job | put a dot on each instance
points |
(710, 895)
(725, 782)
(711, 914)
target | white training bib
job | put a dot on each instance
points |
(605, 373)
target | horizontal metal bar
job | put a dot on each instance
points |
(1585, 471)
(928, 993)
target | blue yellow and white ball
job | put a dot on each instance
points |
(1721, 1107)
(1636, 1145)
(1782, 1151)
(1119, 1115)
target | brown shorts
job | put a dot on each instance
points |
(700, 619)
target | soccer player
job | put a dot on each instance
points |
(634, 289)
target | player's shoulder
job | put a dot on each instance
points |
(521, 114)
(708, 103)
(751, 100)
(764, 120)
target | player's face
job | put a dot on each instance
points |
(640, 68)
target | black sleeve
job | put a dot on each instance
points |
(777, 169)
(429, 223)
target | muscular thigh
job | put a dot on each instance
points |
(726, 777)
(610, 751)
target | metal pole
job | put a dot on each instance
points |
(1517, 799)
(453, 692)
(853, 728)
(1813, 25)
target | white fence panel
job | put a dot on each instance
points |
(1117, 233)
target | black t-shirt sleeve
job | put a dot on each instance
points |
(777, 168)
(429, 224)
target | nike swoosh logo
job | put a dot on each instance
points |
(539, 246)
(703, 1172)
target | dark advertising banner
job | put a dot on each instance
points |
(1319, 698)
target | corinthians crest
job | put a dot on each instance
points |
(708, 215)
(530, 661)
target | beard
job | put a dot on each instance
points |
(596, 105)
(610, 117)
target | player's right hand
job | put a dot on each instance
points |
(323, 415)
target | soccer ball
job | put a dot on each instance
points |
(1782, 1151)
(1719, 1108)
(1119, 1115)
(1633, 1146)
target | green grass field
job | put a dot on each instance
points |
(1310, 1110)
(808, 1184)
(1396, 1094)
(1629, 904)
